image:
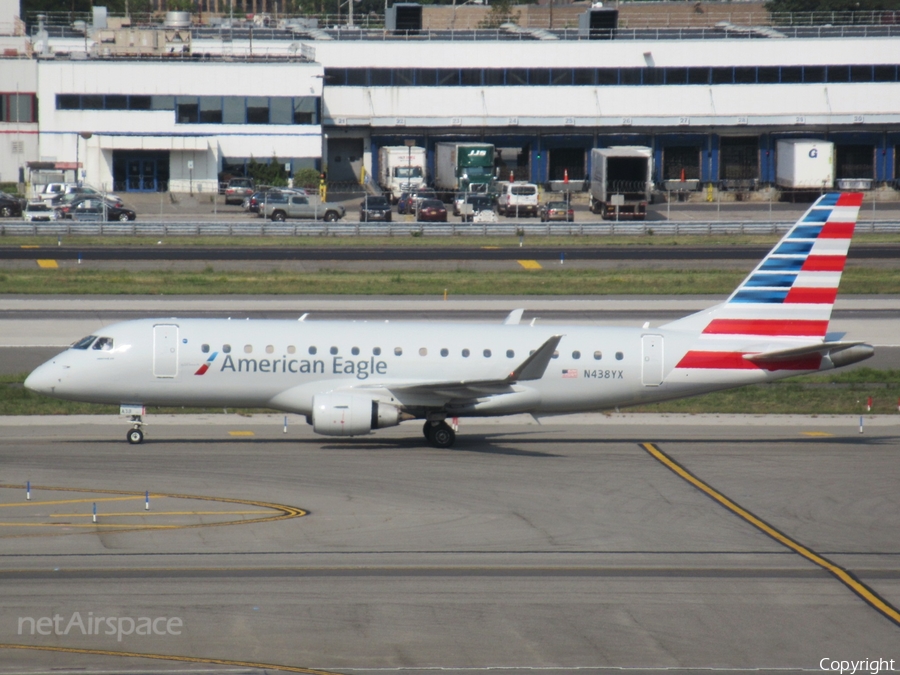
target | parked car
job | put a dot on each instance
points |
(431, 211)
(238, 189)
(375, 208)
(407, 201)
(80, 193)
(285, 205)
(462, 197)
(11, 205)
(557, 211)
(93, 208)
(61, 192)
(40, 212)
(253, 202)
(474, 205)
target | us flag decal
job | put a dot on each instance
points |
(571, 372)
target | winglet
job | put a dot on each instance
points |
(534, 366)
(514, 317)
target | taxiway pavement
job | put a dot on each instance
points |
(563, 547)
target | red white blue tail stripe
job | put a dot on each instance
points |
(787, 300)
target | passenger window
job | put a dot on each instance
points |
(248, 349)
(445, 352)
(465, 353)
(204, 349)
(398, 351)
(376, 351)
(487, 353)
(423, 351)
(226, 349)
(619, 356)
(355, 351)
(313, 350)
(84, 343)
(598, 355)
(334, 350)
(270, 349)
(104, 344)
(556, 354)
(510, 353)
(576, 355)
(291, 349)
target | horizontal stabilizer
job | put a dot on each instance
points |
(840, 353)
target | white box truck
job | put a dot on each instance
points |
(400, 169)
(621, 181)
(804, 164)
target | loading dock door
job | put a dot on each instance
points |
(651, 360)
(165, 350)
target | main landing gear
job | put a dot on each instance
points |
(135, 435)
(439, 434)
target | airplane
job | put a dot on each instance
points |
(350, 378)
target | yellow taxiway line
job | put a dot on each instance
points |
(844, 576)
(48, 264)
(530, 264)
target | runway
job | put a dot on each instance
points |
(560, 547)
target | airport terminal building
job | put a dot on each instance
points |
(173, 107)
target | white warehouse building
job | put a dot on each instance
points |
(174, 109)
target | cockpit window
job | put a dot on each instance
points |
(104, 344)
(84, 343)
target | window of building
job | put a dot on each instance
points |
(631, 76)
(885, 74)
(561, 77)
(676, 76)
(380, 77)
(139, 102)
(745, 75)
(448, 77)
(723, 75)
(517, 76)
(210, 110)
(92, 102)
(792, 74)
(470, 77)
(607, 76)
(813, 73)
(187, 110)
(584, 76)
(403, 77)
(67, 102)
(494, 76)
(257, 110)
(306, 110)
(426, 77)
(233, 110)
(281, 111)
(357, 77)
(162, 103)
(768, 74)
(698, 75)
(116, 102)
(838, 74)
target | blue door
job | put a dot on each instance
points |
(141, 175)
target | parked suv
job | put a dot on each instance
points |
(518, 199)
(238, 189)
(299, 206)
(374, 208)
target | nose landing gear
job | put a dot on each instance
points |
(135, 435)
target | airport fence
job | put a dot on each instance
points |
(406, 229)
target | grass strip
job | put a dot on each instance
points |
(833, 394)
(420, 241)
(548, 281)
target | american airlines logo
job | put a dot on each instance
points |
(202, 369)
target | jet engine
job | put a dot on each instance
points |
(340, 414)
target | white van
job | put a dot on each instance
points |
(518, 199)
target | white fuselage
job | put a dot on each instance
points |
(282, 364)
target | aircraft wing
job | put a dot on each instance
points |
(531, 368)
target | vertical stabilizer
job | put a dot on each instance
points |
(787, 299)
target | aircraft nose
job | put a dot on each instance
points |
(43, 379)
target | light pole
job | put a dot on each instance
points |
(85, 135)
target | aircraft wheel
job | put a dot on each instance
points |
(135, 436)
(442, 436)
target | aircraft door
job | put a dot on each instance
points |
(651, 360)
(165, 350)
